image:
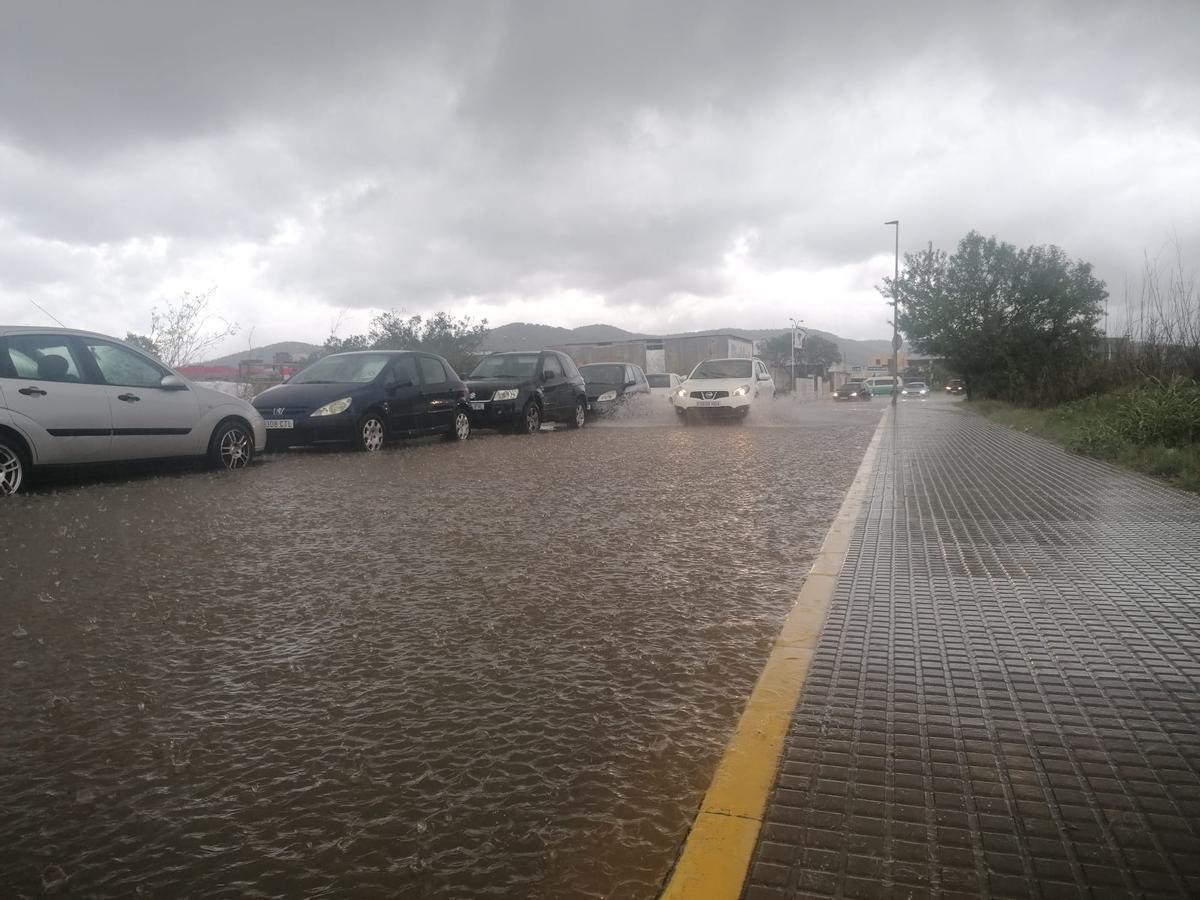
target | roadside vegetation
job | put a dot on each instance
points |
(456, 340)
(1021, 327)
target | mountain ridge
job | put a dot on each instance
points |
(531, 336)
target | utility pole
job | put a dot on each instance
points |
(896, 318)
(794, 325)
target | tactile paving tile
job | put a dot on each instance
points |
(1006, 698)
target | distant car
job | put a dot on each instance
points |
(519, 391)
(883, 385)
(852, 390)
(723, 387)
(914, 389)
(956, 386)
(365, 398)
(664, 385)
(611, 386)
(74, 397)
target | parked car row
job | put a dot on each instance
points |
(74, 397)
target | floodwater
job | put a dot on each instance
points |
(502, 668)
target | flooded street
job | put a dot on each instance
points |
(501, 668)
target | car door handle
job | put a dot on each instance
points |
(129, 398)
(32, 392)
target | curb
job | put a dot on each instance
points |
(721, 841)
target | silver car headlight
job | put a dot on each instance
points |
(742, 391)
(506, 394)
(681, 393)
(607, 395)
(332, 409)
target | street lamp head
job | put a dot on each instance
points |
(892, 222)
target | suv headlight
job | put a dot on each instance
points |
(332, 409)
(682, 392)
(742, 391)
(506, 394)
(607, 395)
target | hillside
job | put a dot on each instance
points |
(527, 336)
(267, 353)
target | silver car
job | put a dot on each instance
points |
(74, 397)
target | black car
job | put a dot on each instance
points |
(956, 386)
(611, 385)
(365, 398)
(852, 390)
(518, 391)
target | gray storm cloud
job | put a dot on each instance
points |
(427, 155)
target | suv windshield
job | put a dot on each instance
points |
(345, 368)
(516, 365)
(603, 373)
(659, 380)
(723, 368)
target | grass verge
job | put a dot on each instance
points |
(1153, 429)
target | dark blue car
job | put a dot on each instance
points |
(365, 398)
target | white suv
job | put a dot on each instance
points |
(727, 387)
(74, 397)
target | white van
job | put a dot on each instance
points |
(883, 385)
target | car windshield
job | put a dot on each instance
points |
(603, 373)
(659, 380)
(852, 386)
(343, 368)
(723, 368)
(516, 365)
(917, 385)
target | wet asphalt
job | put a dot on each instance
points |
(500, 668)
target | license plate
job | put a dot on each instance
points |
(477, 404)
(708, 402)
(279, 423)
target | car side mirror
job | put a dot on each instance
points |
(629, 384)
(172, 383)
(762, 377)
(546, 376)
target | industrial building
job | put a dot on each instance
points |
(655, 355)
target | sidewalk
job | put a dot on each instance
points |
(1005, 698)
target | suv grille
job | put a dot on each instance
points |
(709, 395)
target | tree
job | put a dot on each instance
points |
(456, 340)
(183, 330)
(817, 351)
(1017, 324)
(142, 342)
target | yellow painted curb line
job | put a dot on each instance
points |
(716, 856)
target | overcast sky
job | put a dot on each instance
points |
(659, 166)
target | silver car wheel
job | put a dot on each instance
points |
(372, 434)
(462, 426)
(235, 449)
(11, 471)
(580, 415)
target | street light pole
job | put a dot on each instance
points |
(896, 317)
(793, 321)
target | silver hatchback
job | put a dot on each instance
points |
(74, 397)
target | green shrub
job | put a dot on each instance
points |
(1166, 413)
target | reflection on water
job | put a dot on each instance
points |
(502, 668)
